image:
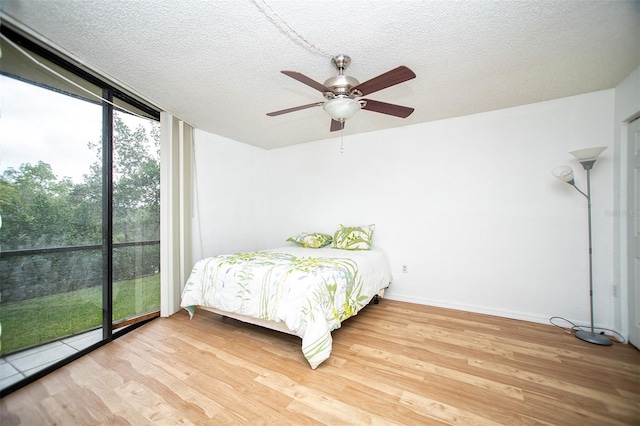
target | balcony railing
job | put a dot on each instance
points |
(29, 252)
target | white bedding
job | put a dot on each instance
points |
(311, 291)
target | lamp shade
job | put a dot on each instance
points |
(342, 108)
(564, 173)
(588, 154)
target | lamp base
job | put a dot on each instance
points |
(596, 339)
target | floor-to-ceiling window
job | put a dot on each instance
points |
(79, 211)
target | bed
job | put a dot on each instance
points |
(307, 292)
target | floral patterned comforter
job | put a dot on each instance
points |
(311, 290)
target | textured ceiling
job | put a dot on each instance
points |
(216, 64)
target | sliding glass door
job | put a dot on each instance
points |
(79, 211)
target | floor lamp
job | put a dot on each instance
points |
(586, 157)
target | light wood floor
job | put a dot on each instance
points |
(395, 363)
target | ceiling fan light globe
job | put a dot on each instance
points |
(341, 109)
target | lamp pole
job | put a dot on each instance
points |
(590, 336)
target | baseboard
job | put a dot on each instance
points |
(489, 311)
(469, 308)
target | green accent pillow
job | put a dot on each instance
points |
(313, 240)
(353, 237)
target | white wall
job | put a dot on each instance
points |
(228, 187)
(468, 204)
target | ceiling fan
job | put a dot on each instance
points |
(342, 92)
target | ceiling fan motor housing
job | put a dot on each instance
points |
(340, 85)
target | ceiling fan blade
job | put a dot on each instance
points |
(385, 108)
(306, 80)
(336, 125)
(298, 108)
(388, 79)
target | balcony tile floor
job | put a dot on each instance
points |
(16, 366)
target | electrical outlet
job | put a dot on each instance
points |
(404, 269)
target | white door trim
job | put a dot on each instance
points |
(632, 215)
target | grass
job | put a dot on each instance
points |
(48, 318)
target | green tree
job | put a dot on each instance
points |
(136, 181)
(35, 208)
(40, 211)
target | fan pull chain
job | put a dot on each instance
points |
(342, 137)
